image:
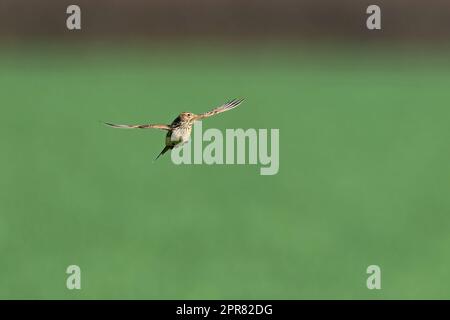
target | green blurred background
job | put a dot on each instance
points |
(364, 157)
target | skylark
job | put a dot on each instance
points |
(179, 131)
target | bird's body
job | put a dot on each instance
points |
(179, 135)
(179, 131)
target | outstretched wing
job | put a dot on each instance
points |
(227, 106)
(139, 126)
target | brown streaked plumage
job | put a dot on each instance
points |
(179, 131)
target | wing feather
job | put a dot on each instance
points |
(139, 126)
(225, 107)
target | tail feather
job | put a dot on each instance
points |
(166, 148)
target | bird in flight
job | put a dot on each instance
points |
(179, 131)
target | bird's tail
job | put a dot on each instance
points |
(166, 148)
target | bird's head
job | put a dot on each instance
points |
(187, 116)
